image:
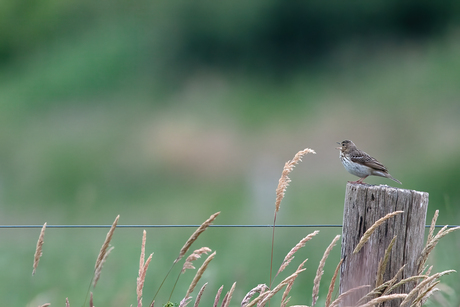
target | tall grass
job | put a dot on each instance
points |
(261, 295)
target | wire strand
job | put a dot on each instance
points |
(188, 226)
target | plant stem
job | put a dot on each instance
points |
(162, 283)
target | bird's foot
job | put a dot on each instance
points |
(359, 181)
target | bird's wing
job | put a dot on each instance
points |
(365, 159)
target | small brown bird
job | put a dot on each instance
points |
(360, 164)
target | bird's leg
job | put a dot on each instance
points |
(360, 180)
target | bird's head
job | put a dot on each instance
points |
(346, 145)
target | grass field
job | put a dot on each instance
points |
(82, 141)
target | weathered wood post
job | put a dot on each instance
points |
(365, 204)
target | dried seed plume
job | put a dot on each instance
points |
(195, 236)
(432, 241)
(38, 250)
(194, 256)
(336, 302)
(298, 246)
(275, 290)
(143, 266)
(106, 243)
(217, 298)
(285, 180)
(97, 272)
(383, 263)
(199, 273)
(228, 296)
(185, 301)
(320, 270)
(200, 293)
(259, 289)
(332, 284)
(383, 298)
(369, 232)
(285, 298)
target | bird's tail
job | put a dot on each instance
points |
(392, 178)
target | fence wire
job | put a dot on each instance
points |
(194, 226)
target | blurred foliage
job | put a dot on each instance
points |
(271, 36)
(105, 43)
(168, 111)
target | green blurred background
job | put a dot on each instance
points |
(167, 111)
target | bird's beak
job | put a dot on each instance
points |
(340, 148)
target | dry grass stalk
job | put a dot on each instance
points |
(186, 246)
(423, 293)
(285, 301)
(67, 304)
(224, 300)
(383, 263)
(105, 245)
(320, 270)
(369, 232)
(391, 284)
(142, 257)
(185, 301)
(430, 245)
(442, 300)
(264, 297)
(91, 300)
(336, 302)
(428, 271)
(45, 305)
(404, 281)
(376, 292)
(298, 246)
(285, 180)
(217, 298)
(432, 226)
(284, 298)
(261, 296)
(38, 250)
(195, 236)
(200, 293)
(423, 296)
(143, 266)
(271, 293)
(98, 271)
(415, 292)
(199, 273)
(332, 284)
(383, 289)
(194, 256)
(228, 296)
(259, 289)
(141, 278)
(382, 299)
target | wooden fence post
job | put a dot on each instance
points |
(365, 204)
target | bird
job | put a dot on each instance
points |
(360, 164)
